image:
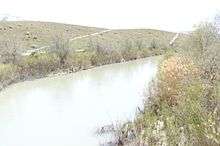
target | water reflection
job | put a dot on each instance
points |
(66, 110)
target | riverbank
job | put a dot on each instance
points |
(49, 64)
(41, 49)
(182, 105)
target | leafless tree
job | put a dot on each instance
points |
(203, 46)
(61, 47)
(206, 35)
(139, 44)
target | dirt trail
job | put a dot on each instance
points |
(88, 35)
(174, 38)
(42, 49)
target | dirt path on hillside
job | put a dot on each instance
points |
(42, 49)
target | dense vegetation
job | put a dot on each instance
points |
(62, 58)
(182, 106)
(62, 54)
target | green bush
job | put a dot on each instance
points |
(129, 54)
(103, 57)
(8, 74)
(39, 65)
(79, 60)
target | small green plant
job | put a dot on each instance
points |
(39, 65)
(8, 74)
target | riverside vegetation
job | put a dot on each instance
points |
(182, 106)
(61, 58)
(62, 55)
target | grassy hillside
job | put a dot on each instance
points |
(31, 34)
(132, 37)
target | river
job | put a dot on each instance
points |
(67, 110)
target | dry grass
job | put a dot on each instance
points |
(37, 34)
(119, 39)
(33, 34)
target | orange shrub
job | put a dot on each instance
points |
(174, 71)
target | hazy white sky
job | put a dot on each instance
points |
(174, 15)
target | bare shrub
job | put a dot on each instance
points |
(139, 44)
(203, 46)
(8, 74)
(154, 45)
(78, 61)
(61, 47)
(10, 51)
(205, 35)
(128, 44)
(104, 54)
